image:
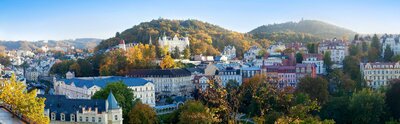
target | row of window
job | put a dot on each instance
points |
(72, 118)
(383, 72)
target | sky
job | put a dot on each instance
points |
(69, 19)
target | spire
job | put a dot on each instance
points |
(112, 102)
(150, 41)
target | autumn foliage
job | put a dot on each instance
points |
(13, 93)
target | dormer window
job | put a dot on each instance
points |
(53, 116)
(72, 118)
(62, 116)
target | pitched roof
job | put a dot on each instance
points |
(112, 102)
(61, 104)
(103, 81)
(159, 73)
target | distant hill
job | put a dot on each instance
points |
(80, 43)
(305, 30)
(205, 38)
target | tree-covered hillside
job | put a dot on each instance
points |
(304, 31)
(205, 38)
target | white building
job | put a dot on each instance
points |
(392, 41)
(181, 43)
(316, 59)
(276, 49)
(62, 110)
(229, 52)
(379, 74)
(168, 82)
(85, 87)
(337, 48)
(227, 74)
(252, 53)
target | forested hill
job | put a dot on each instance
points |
(305, 30)
(205, 38)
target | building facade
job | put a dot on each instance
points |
(379, 74)
(173, 42)
(62, 110)
(168, 82)
(392, 41)
(337, 48)
(317, 59)
(227, 74)
(85, 87)
(229, 52)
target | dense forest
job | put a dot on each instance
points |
(303, 31)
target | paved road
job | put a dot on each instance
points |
(6, 118)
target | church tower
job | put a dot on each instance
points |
(114, 111)
(122, 44)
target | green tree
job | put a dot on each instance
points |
(196, 113)
(311, 47)
(351, 67)
(337, 109)
(61, 68)
(186, 53)
(328, 61)
(364, 46)
(388, 54)
(396, 58)
(375, 49)
(122, 94)
(142, 114)
(176, 53)
(356, 37)
(316, 88)
(340, 84)
(393, 98)
(367, 107)
(299, 57)
(5, 60)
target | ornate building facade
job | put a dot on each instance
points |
(173, 42)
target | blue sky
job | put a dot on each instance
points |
(66, 19)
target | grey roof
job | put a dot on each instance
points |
(103, 81)
(192, 70)
(61, 104)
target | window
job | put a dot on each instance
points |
(80, 119)
(53, 116)
(62, 116)
(93, 119)
(87, 119)
(72, 117)
(99, 119)
(116, 117)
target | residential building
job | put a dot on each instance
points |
(392, 41)
(229, 52)
(285, 75)
(252, 53)
(276, 49)
(337, 48)
(168, 82)
(317, 59)
(379, 74)
(62, 110)
(249, 72)
(201, 82)
(228, 73)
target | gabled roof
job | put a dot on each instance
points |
(112, 102)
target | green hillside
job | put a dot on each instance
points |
(305, 30)
(205, 38)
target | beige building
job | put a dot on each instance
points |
(379, 74)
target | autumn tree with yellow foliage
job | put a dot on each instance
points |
(167, 62)
(14, 94)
